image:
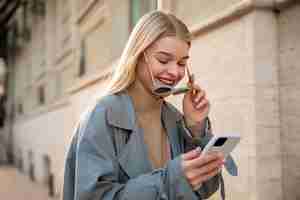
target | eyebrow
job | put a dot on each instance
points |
(170, 55)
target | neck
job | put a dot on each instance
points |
(144, 101)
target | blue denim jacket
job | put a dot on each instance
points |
(107, 158)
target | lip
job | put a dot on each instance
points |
(167, 81)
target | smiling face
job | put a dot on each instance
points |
(166, 59)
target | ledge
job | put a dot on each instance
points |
(87, 26)
(238, 10)
(273, 4)
(65, 53)
(90, 6)
(90, 79)
(229, 14)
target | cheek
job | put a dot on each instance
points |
(158, 69)
(144, 76)
(181, 74)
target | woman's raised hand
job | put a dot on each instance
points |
(195, 107)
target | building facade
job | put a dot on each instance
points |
(244, 54)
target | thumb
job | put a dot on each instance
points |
(192, 154)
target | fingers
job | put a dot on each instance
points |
(202, 104)
(202, 178)
(210, 174)
(208, 168)
(202, 160)
(191, 154)
(199, 98)
(198, 169)
(199, 175)
(195, 173)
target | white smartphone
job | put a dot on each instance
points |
(224, 144)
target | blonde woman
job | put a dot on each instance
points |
(133, 144)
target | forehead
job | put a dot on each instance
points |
(172, 45)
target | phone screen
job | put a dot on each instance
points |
(220, 141)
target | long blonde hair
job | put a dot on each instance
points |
(149, 28)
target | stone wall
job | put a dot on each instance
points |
(289, 77)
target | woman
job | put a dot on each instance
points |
(134, 145)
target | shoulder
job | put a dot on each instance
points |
(94, 128)
(95, 115)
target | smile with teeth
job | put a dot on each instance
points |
(166, 81)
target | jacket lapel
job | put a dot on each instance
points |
(170, 118)
(133, 157)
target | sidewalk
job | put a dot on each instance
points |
(17, 186)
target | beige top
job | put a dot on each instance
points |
(158, 147)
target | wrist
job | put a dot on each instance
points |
(196, 128)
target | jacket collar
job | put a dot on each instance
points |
(121, 113)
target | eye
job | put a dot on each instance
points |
(164, 62)
(182, 64)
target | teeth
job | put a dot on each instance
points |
(167, 82)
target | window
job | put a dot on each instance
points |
(140, 7)
(38, 7)
(2, 111)
(20, 108)
(25, 28)
(41, 93)
(82, 62)
(31, 166)
(20, 160)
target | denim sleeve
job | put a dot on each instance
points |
(209, 187)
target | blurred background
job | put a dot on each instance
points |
(56, 55)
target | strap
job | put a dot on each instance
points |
(222, 191)
(231, 166)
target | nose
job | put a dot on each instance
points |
(176, 71)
